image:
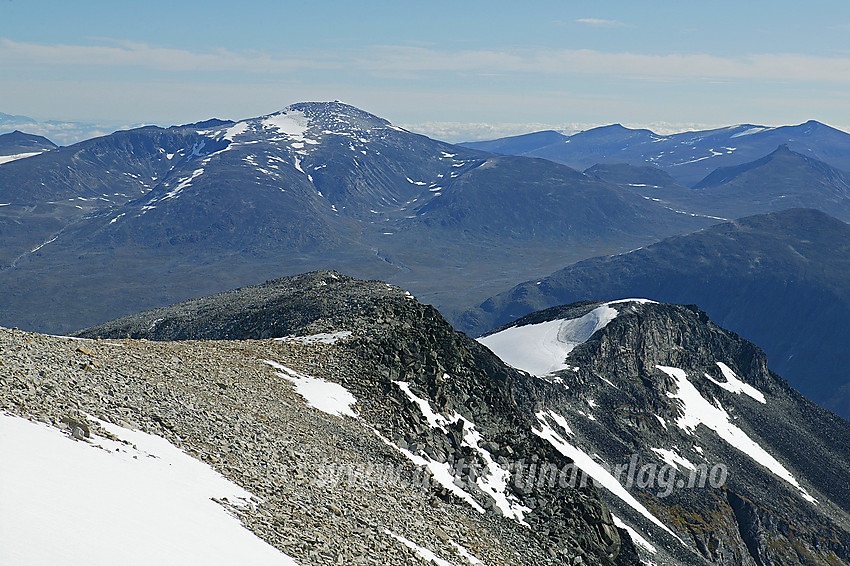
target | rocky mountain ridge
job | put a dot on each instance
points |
(421, 392)
(645, 393)
(620, 391)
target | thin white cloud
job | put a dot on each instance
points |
(137, 54)
(600, 23)
(781, 67)
(393, 61)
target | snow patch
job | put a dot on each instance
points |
(639, 540)
(441, 472)
(595, 470)
(541, 349)
(735, 385)
(293, 123)
(751, 131)
(234, 130)
(698, 410)
(495, 482)
(322, 338)
(674, 459)
(15, 157)
(183, 184)
(466, 555)
(423, 553)
(326, 396)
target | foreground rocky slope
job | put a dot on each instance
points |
(342, 487)
(629, 384)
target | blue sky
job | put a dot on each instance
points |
(454, 70)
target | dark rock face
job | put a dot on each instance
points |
(17, 142)
(397, 340)
(779, 280)
(623, 408)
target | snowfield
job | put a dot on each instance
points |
(541, 349)
(102, 502)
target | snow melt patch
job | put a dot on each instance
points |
(751, 131)
(326, 396)
(697, 410)
(103, 502)
(293, 123)
(322, 338)
(468, 556)
(495, 481)
(15, 157)
(235, 130)
(672, 458)
(639, 540)
(586, 463)
(441, 472)
(423, 553)
(735, 385)
(183, 184)
(541, 349)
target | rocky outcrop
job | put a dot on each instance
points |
(661, 391)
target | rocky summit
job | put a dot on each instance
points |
(366, 429)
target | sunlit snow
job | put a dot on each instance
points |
(595, 470)
(323, 338)
(541, 349)
(735, 385)
(639, 540)
(235, 130)
(496, 479)
(293, 123)
(15, 157)
(326, 396)
(673, 458)
(102, 502)
(697, 410)
(423, 553)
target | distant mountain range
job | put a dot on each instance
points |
(688, 157)
(150, 216)
(779, 280)
(62, 132)
(780, 180)
(146, 217)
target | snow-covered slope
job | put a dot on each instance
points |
(132, 499)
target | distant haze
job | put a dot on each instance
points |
(457, 72)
